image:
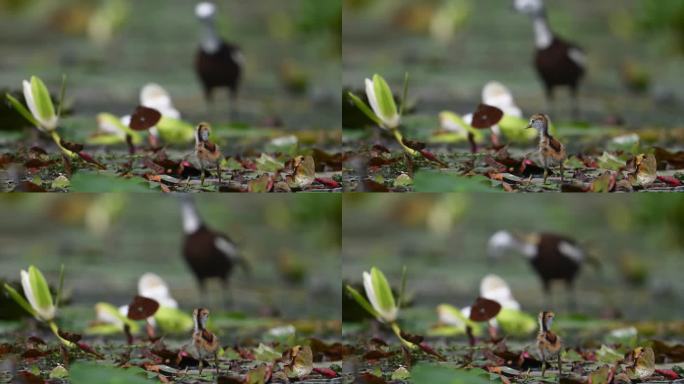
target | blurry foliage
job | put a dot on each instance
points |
(654, 211)
(15, 5)
(316, 16)
(357, 5)
(664, 16)
(308, 212)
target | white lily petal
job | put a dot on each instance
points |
(372, 99)
(152, 286)
(26, 284)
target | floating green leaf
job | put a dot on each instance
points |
(88, 373)
(424, 373)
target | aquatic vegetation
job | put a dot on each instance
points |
(42, 112)
(40, 302)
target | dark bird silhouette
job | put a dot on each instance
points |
(553, 257)
(548, 343)
(218, 63)
(550, 149)
(558, 62)
(209, 254)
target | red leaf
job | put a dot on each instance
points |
(330, 183)
(327, 372)
(33, 354)
(430, 351)
(73, 147)
(368, 378)
(88, 349)
(377, 355)
(428, 155)
(89, 159)
(73, 337)
(27, 186)
(26, 377)
(670, 374)
(37, 163)
(671, 181)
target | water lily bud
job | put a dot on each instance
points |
(495, 288)
(382, 102)
(40, 104)
(38, 294)
(380, 295)
(152, 286)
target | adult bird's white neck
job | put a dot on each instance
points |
(209, 40)
(529, 250)
(191, 220)
(543, 37)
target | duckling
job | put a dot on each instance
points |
(207, 152)
(549, 343)
(558, 62)
(204, 343)
(550, 149)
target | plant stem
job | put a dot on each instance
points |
(58, 141)
(55, 330)
(400, 140)
(397, 332)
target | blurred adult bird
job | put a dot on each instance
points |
(554, 257)
(218, 63)
(558, 62)
(209, 254)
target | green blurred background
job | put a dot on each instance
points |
(453, 47)
(111, 48)
(442, 240)
(107, 241)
